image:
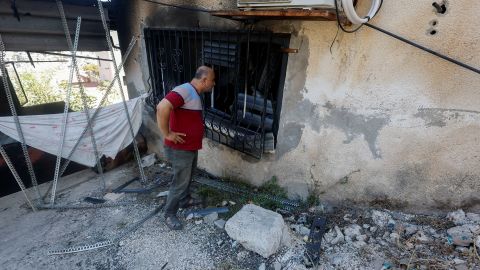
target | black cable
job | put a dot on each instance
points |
(333, 41)
(179, 7)
(476, 70)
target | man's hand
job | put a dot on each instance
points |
(175, 137)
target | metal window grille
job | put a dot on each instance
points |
(243, 109)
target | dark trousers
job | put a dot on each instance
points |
(184, 164)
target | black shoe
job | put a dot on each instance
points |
(173, 223)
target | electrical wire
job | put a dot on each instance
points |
(476, 70)
(447, 58)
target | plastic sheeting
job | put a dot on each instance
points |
(110, 128)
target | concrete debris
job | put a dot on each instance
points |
(460, 235)
(377, 239)
(257, 229)
(422, 237)
(380, 218)
(300, 229)
(113, 196)
(262, 266)
(210, 218)
(473, 218)
(457, 217)
(302, 219)
(220, 223)
(352, 231)
(149, 160)
(162, 194)
(410, 229)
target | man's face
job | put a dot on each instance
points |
(209, 81)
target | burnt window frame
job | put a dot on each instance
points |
(172, 61)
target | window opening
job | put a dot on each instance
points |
(243, 109)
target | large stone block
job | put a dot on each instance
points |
(258, 229)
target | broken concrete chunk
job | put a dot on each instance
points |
(198, 222)
(457, 217)
(460, 236)
(300, 229)
(380, 218)
(113, 196)
(162, 194)
(474, 218)
(262, 266)
(210, 218)
(277, 266)
(352, 231)
(334, 236)
(302, 218)
(257, 229)
(149, 160)
(422, 237)
(220, 223)
(410, 229)
(477, 241)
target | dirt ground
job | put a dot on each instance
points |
(27, 238)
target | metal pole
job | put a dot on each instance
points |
(109, 42)
(16, 176)
(82, 92)
(15, 117)
(65, 112)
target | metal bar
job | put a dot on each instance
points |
(17, 177)
(265, 96)
(65, 112)
(102, 101)
(68, 55)
(127, 114)
(82, 92)
(16, 119)
(35, 61)
(20, 82)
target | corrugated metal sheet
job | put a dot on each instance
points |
(37, 26)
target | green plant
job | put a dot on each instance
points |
(271, 187)
(38, 88)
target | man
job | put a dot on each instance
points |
(179, 118)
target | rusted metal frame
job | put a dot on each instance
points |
(283, 14)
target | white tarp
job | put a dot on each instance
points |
(110, 127)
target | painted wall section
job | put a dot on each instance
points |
(365, 118)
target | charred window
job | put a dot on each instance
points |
(243, 109)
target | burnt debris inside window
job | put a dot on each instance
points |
(243, 109)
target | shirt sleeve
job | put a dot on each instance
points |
(175, 98)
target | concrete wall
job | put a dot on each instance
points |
(374, 120)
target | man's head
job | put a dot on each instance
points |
(204, 79)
